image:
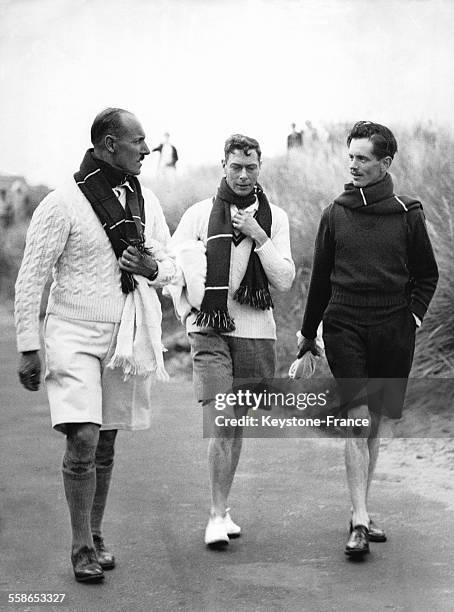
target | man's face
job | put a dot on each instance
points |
(365, 168)
(242, 171)
(130, 148)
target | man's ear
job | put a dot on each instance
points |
(109, 143)
(223, 164)
(385, 163)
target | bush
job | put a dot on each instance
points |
(12, 242)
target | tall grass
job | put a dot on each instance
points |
(303, 185)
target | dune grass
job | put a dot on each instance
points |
(303, 185)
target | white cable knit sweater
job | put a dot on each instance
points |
(65, 236)
(274, 254)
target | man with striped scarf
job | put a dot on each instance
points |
(95, 233)
(231, 327)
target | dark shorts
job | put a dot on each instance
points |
(371, 364)
(221, 363)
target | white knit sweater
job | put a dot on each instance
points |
(275, 256)
(66, 236)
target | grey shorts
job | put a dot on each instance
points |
(221, 363)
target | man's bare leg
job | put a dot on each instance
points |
(223, 457)
(357, 463)
(373, 442)
(224, 451)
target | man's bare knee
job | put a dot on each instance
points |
(360, 414)
(221, 424)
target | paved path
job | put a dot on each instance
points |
(289, 497)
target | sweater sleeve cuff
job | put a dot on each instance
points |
(309, 334)
(266, 249)
(166, 272)
(28, 342)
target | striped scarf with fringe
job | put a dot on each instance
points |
(123, 226)
(253, 289)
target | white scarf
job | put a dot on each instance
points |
(139, 348)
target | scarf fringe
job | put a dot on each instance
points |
(132, 368)
(219, 319)
(128, 282)
(258, 298)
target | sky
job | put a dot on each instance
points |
(204, 69)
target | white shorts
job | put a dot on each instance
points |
(80, 386)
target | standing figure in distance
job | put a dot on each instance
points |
(294, 139)
(168, 155)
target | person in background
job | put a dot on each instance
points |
(295, 139)
(168, 155)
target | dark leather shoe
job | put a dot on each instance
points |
(85, 565)
(105, 558)
(375, 533)
(358, 542)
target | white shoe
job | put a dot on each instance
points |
(233, 530)
(216, 532)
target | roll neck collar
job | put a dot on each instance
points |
(356, 197)
(376, 199)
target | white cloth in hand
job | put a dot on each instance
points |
(139, 347)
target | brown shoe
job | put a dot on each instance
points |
(105, 558)
(85, 565)
(358, 542)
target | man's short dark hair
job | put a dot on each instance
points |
(108, 121)
(382, 138)
(243, 143)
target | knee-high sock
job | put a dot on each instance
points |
(79, 482)
(103, 475)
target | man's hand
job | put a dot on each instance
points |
(245, 222)
(307, 344)
(134, 262)
(30, 370)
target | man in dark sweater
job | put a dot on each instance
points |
(373, 276)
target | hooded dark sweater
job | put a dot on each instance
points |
(372, 257)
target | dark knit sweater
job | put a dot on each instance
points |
(373, 256)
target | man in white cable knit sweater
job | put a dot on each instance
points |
(231, 330)
(94, 234)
